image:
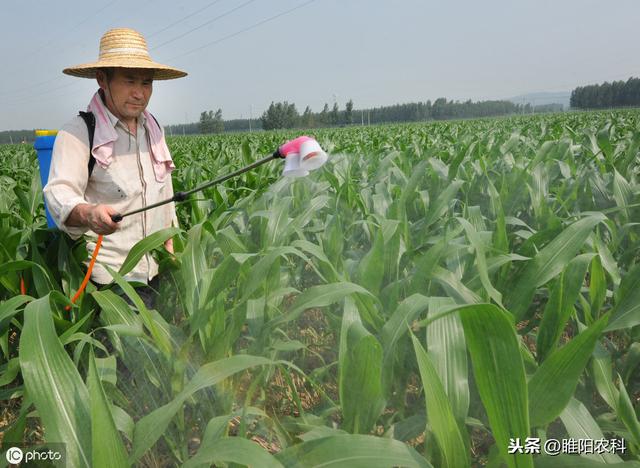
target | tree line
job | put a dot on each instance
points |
(606, 95)
(286, 115)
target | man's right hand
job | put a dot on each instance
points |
(95, 217)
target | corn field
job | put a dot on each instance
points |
(435, 295)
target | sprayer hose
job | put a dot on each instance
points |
(88, 275)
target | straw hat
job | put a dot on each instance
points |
(124, 48)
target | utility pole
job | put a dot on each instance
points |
(250, 116)
(185, 124)
(362, 116)
(369, 117)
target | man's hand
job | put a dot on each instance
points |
(95, 217)
(168, 244)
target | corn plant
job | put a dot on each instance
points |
(433, 294)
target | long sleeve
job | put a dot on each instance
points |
(171, 215)
(68, 176)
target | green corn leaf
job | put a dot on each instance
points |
(626, 312)
(54, 384)
(597, 286)
(233, 450)
(371, 268)
(146, 245)
(601, 368)
(19, 265)
(319, 296)
(447, 350)
(108, 449)
(9, 309)
(10, 372)
(581, 425)
(560, 304)
(481, 261)
(361, 380)
(440, 416)
(632, 360)
(115, 311)
(441, 204)
(549, 262)
(454, 287)
(151, 427)
(627, 413)
(553, 384)
(394, 329)
(161, 339)
(499, 373)
(622, 192)
(353, 451)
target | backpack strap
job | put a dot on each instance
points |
(156, 120)
(90, 121)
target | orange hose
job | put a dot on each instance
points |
(23, 289)
(88, 275)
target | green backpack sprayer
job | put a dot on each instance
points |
(300, 156)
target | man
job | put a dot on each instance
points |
(132, 167)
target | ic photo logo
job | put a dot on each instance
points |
(14, 455)
(54, 453)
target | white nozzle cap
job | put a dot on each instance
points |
(311, 155)
(292, 166)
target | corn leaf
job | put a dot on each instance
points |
(440, 416)
(144, 246)
(353, 451)
(553, 384)
(54, 384)
(151, 427)
(108, 449)
(233, 450)
(549, 262)
(499, 375)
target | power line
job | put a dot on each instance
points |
(63, 49)
(36, 97)
(30, 87)
(253, 26)
(30, 97)
(183, 18)
(48, 44)
(204, 24)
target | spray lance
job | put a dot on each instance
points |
(300, 155)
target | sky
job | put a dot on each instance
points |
(243, 54)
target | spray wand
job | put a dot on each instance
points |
(300, 155)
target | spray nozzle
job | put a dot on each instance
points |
(302, 155)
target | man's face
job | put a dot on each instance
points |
(128, 92)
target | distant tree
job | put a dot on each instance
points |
(323, 118)
(439, 108)
(210, 122)
(348, 113)
(307, 120)
(334, 116)
(218, 123)
(615, 94)
(280, 115)
(206, 122)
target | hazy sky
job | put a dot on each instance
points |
(243, 54)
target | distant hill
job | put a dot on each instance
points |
(540, 99)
